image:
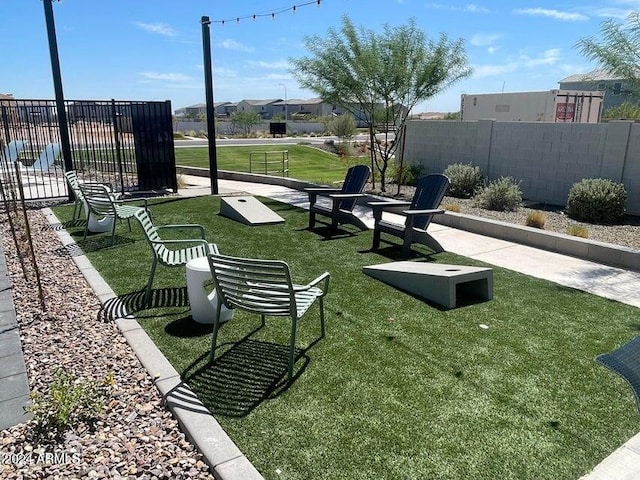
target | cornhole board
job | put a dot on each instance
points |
(248, 210)
(436, 282)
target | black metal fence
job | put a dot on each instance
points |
(128, 144)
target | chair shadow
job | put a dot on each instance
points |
(327, 233)
(243, 376)
(130, 304)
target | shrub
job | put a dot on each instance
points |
(578, 231)
(453, 207)
(465, 179)
(536, 219)
(502, 194)
(410, 173)
(597, 200)
(68, 402)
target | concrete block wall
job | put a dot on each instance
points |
(546, 158)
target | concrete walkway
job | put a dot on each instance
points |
(14, 385)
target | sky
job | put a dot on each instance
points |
(152, 49)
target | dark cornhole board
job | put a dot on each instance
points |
(625, 361)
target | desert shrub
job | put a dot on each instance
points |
(68, 402)
(410, 173)
(597, 200)
(501, 194)
(465, 179)
(577, 231)
(452, 207)
(536, 219)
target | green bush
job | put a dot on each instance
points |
(597, 200)
(502, 194)
(465, 179)
(410, 173)
(68, 403)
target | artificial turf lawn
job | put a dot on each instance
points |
(305, 163)
(398, 388)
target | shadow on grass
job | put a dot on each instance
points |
(327, 233)
(130, 304)
(243, 376)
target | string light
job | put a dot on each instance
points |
(272, 14)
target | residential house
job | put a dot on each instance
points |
(616, 88)
(265, 108)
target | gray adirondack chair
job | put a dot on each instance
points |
(418, 213)
(341, 200)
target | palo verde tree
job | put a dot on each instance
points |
(380, 77)
(618, 51)
(245, 120)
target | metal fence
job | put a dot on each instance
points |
(127, 144)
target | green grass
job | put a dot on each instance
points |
(398, 388)
(305, 163)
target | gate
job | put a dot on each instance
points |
(126, 144)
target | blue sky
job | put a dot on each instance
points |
(152, 49)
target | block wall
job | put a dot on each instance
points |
(547, 158)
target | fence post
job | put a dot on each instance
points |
(116, 134)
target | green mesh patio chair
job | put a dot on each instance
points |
(341, 201)
(74, 185)
(417, 214)
(264, 287)
(170, 252)
(102, 204)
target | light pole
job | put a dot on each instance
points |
(285, 101)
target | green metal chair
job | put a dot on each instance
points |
(165, 251)
(264, 287)
(102, 204)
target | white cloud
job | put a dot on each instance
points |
(224, 72)
(492, 50)
(230, 44)
(482, 40)
(279, 65)
(168, 77)
(549, 57)
(471, 7)
(619, 13)
(159, 28)
(475, 8)
(555, 14)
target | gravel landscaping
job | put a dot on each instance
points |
(135, 436)
(626, 234)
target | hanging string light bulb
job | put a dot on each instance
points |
(271, 14)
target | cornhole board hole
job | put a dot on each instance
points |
(438, 283)
(248, 210)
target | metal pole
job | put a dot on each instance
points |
(208, 86)
(286, 116)
(57, 85)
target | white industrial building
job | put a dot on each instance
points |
(555, 106)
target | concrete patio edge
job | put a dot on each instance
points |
(222, 455)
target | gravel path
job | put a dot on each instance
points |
(135, 437)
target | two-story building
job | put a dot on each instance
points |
(616, 89)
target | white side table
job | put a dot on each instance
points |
(203, 305)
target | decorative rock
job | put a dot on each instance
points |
(60, 337)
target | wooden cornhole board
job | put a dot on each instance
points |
(248, 210)
(438, 283)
